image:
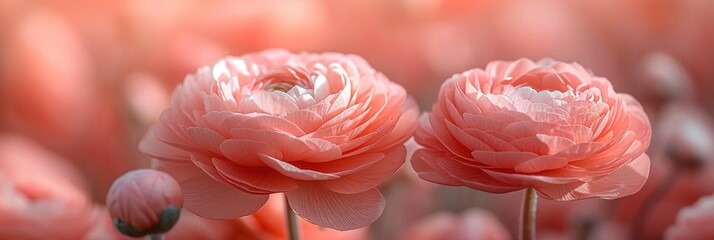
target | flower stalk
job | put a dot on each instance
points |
(292, 223)
(528, 215)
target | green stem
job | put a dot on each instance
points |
(528, 215)
(292, 223)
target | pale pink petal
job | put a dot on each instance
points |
(346, 165)
(258, 180)
(405, 126)
(292, 171)
(497, 144)
(155, 148)
(531, 144)
(624, 182)
(528, 180)
(470, 142)
(321, 151)
(204, 138)
(541, 163)
(263, 122)
(423, 163)
(555, 143)
(502, 159)
(291, 148)
(307, 120)
(245, 152)
(333, 210)
(208, 198)
(474, 121)
(522, 129)
(474, 177)
(370, 177)
(268, 102)
(442, 133)
(581, 151)
(576, 133)
(424, 134)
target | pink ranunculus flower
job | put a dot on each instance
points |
(41, 195)
(686, 134)
(694, 222)
(325, 129)
(145, 201)
(548, 125)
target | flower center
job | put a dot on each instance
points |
(284, 79)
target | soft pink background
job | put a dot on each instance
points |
(84, 79)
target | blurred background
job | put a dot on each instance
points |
(81, 81)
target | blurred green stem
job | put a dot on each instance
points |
(528, 216)
(292, 223)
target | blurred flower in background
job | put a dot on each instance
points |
(693, 221)
(81, 81)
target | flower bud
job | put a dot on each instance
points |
(144, 202)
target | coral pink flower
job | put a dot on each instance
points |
(686, 134)
(145, 201)
(694, 222)
(472, 224)
(325, 129)
(41, 195)
(547, 125)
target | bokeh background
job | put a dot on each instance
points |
(82, 80)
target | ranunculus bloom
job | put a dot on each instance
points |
(663, 78)
(144, 201)
(686, 134)
(472, 224)
(694, 222)
(41, 195)
(325, 129)
(547, 125)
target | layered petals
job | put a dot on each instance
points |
(548, 125)
(209, 198)
(271, 122)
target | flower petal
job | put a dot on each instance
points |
(209, 198)
(155, 148)
(474, 177)
(371, 176)
(624, 182)
(204, 138)
(258, 180)
(502, 159)
(292, 171)
(245, 152)
(268, 102)
(541, 163)
(424, 163)
(343, 212)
